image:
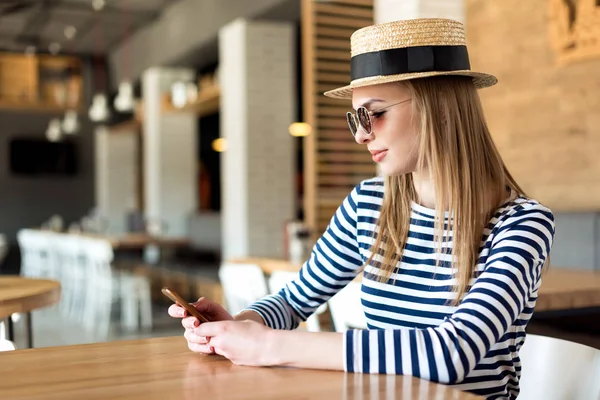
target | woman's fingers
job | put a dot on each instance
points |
(191, 337)
(176, 311)
(190, 322)
(201, 348)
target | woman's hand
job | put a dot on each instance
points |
(243, 342)
(213, 311)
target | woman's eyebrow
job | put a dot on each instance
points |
(370, 102)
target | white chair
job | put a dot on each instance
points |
(346, 308)
(107, 286)
(33, 253)
(278, 280)
(242, 285)
(7, 345)
(554, 369)
(68, 256)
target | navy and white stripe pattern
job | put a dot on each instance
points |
(412, 329)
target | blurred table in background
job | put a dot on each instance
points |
(562, 289)
(23, 295)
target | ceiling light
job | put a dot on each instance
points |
(70, 124)
(54, 48)
(70, 32)
(98, 4)
(300, 129)
(53, 132)
(99, 111)
(124, 102)
(219, 145)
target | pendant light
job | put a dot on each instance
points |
(99, 111)
(124, 102)
(70, 123)
(54, 133)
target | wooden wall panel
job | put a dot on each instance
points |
(544, 113)
(334, 163)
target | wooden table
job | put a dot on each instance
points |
(23, 295)
(139, 241)
(562, 289)
(566, 289)
(164, 368)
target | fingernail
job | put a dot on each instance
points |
(181, 313)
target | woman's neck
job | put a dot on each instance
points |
(425, 189)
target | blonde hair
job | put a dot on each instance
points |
(470, 178)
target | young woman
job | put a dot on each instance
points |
(450, 249)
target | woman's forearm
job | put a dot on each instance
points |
(249, 315)
(322, 350)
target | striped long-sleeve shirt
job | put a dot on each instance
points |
(412, 329)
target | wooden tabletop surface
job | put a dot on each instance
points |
(164, 368)
(20, 295)
(562, 288)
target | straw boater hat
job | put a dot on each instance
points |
(408, 49)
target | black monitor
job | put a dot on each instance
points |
(33, 156)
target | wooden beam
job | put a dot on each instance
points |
(339, 78)
(339, 157)
(335, 32)
(347, 169)
(339, 55)
(309, 110)
(336, 44)
(355, 12)
(330, 66)
(343, 22)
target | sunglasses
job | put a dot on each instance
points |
(363, 119)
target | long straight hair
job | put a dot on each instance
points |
(470, 179)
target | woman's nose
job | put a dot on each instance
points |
(361, 137)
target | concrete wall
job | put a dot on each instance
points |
(28, 201)
(187, 30)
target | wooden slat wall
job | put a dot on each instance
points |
(333, 162)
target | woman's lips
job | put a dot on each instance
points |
(378, 155)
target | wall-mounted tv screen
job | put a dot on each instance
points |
(32, 156)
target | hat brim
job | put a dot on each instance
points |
(480, 80)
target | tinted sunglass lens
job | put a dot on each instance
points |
(351, 123)
(364, 120)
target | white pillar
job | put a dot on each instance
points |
(116, 176)
(258, 103)
(170, 154)
(392, 10)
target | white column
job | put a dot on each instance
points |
(116, 176)
(170, 154)
(258, 103)
(392, 10)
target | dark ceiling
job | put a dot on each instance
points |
(42, 25)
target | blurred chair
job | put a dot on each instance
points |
(278, 280)
(242, 285)
(346, 308)
(101, 284)
(68, 257)
(7, 345)
(553, 369)
(107, 286)
(33, 246)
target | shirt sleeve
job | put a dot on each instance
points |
(448, 352)
(334, 262)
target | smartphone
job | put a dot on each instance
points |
(187, 306)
